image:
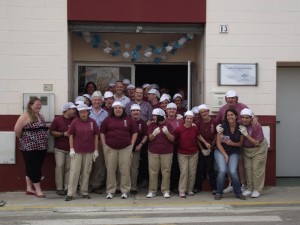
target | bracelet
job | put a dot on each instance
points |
(62, 134)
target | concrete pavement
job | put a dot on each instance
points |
(272, 196)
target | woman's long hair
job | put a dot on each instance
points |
(234, 112)
(32, 116)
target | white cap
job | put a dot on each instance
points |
(202, 106)
(111, 84)
(135, 107)
(108, 94)
(154, 86)
(87, 96)
(130, 86)
(247, 112)
(158, 112)
(189, 113)
(164, 97)
(195, 110)
(171, 105)
(68, 105)
(79, 100)
(146, 85)
(117, 103)
(154, 91)
(126, 81)
(97, 94)
(83, 107)
(177, 95)
(231, 94)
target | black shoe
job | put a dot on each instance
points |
(69, 198)
(85, 196)
(118, 192)
(175, 191)
(218, 197)
(134, 192)
(241, 196)
(61, 192)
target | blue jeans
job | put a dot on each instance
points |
(231, 168)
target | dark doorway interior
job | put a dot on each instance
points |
(170, 76)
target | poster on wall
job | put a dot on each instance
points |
(102, 75)
(241, 74)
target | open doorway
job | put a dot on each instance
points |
(172, 77)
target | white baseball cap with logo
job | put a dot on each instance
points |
(108, 94)
(247, 112)
(135, 107)
(189, 113)
(68, 105)
(231, 94)
(82, 107)
(158, 112)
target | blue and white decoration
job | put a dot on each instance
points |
(151, 53)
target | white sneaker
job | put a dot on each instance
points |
(247, 193)
(182, 195)
(255, 194)
(190, 193)
(243, 187)
(167, 195)
(150, 195)
(124, 196)
(228, 189)
(109, 196)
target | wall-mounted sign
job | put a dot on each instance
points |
(223, 28)
(244, 74)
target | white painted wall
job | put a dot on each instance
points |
(33, 51)
(263, 32)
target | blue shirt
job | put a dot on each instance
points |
(102, 114)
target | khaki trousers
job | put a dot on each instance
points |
(255, 166)
(62, 168)
(81, 165)
(134, 169)
(98, 174)
(121, 160)
(188, 168)
(163, 163)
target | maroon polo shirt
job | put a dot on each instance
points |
(84, 135)
(61, 124)
(118, 131)
(187, 139)
(160, 144)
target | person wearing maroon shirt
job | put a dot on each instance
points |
(83, 141)
(187, 136)
(178, 100)
(108, 101)
(254, 151)
(231, 99)
(118, 134)
(160, 153)
(153, 97)
(172, 119)
(135, 112)
(59, 130)
(207, 129)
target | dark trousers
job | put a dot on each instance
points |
(33, 164)
(205, 167)
(143, 167)
(175, 171)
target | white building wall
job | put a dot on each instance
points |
(33, 51)
(260, 31)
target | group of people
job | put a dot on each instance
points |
(133, 134)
